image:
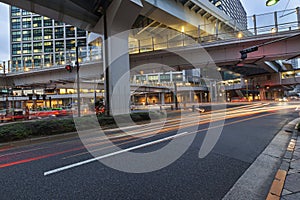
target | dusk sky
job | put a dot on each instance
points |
(251, 6)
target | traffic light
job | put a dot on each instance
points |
(257, 86)
(247, 50)
(69, 68)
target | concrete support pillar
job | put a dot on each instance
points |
(162, 96)
(191, 100)
(117, 22)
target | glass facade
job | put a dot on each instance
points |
(38, 41)
(234, 9)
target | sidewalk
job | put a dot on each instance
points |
(291, 189)
(286, 184)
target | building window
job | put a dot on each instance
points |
(16, 63)
(37, 47)
(59, 46)
(153, 78)
(26, 35)
(165, 78)
(70, 31)
(48, 59)
(16, 36)
(15, 11)
(47, 21)
(15, 23)
(25, 12)
(48, 33)
(177, 77)
(59, 58)
(81, 42)
(59, 33)
(37, 21)
(81, 33)
(70, 44)
(48, 46)
(16, 49)
(26, 48)
(37, 60)
(37, 34)
(57, 23)
(26, 22)
(27, 61)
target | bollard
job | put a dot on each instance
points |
(193, 108)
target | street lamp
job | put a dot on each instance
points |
(271, 2)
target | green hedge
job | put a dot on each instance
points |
(23, 130)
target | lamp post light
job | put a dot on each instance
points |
(271, 2)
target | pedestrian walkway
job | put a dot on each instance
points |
(291, 189)
(286, 183)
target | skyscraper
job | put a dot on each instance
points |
(234, 9)
(39, 42)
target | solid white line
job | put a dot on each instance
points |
(112, 154)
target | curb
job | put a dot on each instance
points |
(280, 177)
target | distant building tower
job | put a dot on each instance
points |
(38, 42)
(234, 9)
(295, 63)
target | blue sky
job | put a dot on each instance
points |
(251, 7)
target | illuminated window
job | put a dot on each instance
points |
(70, 31)
(26, 22)
(26, 35)
(47, 21)
(59, 32)
(48, 33)
(48, 47)
(16, 36)
(37, 34)
(15, 23)
(27, 48)
(15, 11)
(37, 47)
(37, 21)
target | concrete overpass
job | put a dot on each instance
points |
(189, 14)
(108, 17)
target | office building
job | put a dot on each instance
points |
(39, 42)
(234, 9)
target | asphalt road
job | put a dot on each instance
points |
(246, 132)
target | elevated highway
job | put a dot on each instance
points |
(193, 41)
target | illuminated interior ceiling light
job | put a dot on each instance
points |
(240, 35)
(182, 29)
(271, 2)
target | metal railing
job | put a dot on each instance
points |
(268, 23)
